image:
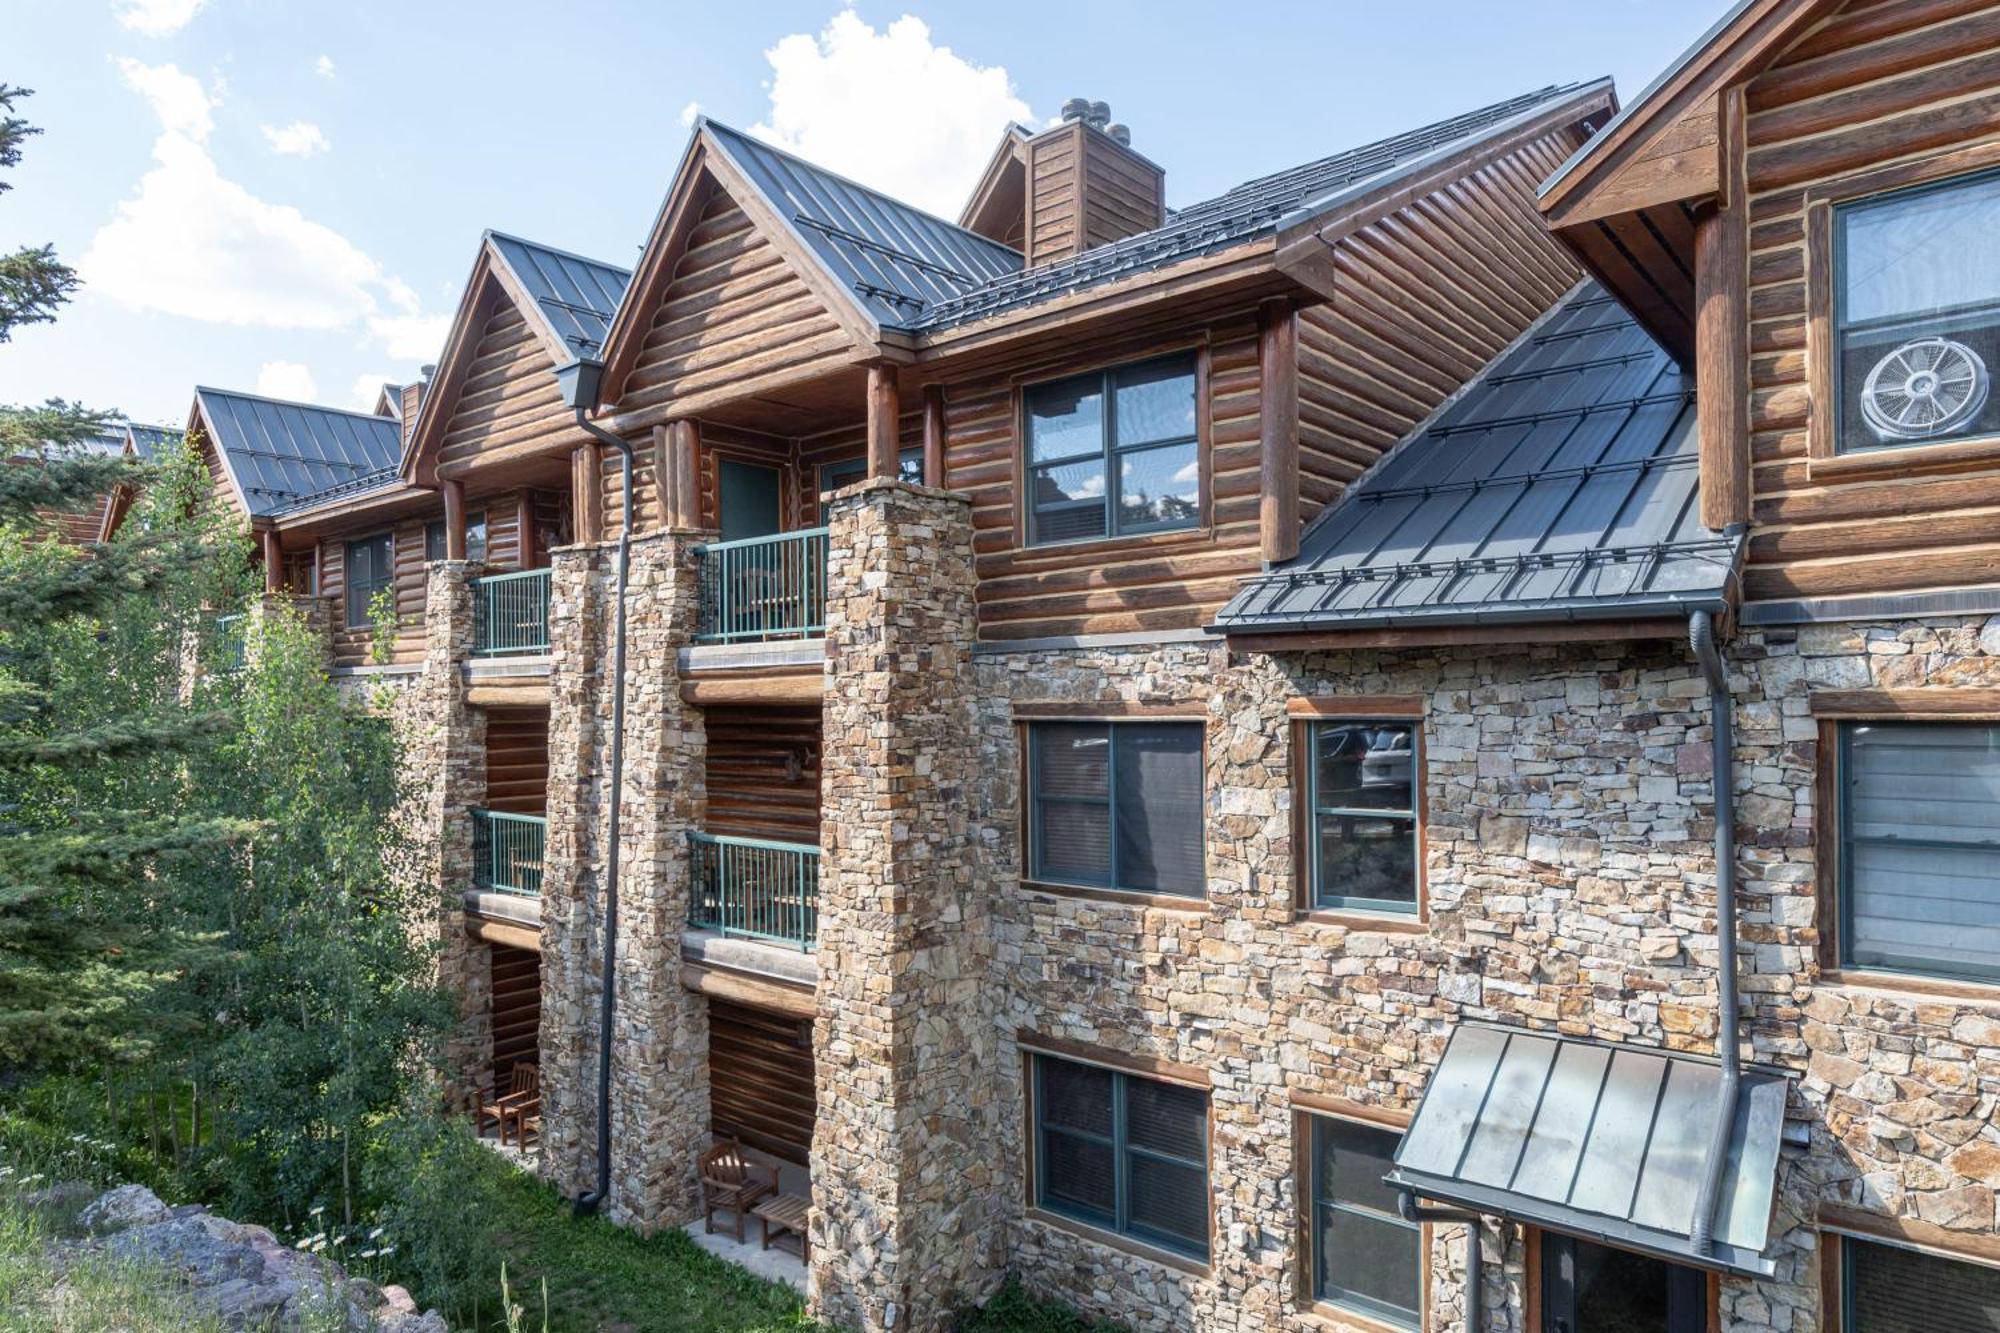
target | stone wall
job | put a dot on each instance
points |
(659, 1093)
(905, 1220)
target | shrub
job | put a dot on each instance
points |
(1013, 1310)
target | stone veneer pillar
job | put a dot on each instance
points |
(904, 1226)
(445, 752)
(659, 1077)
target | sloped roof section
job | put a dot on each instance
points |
(146, 441)
(1559, 486)
(897, 261)
(280, 452)
(1249, 210)
(576, 296)
(1597, 1139)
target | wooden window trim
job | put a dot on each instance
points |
(1024, 744)
(348, 583)
(1157, 902)
(1305, 1108)
(1109, 710)
(1838, 1224)
(1202, 530)
(1824, 461)
(1405, 708)
(1157, 1068)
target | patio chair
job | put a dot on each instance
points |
(731, 1180)
(522, 1100)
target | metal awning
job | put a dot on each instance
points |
(1597, 1139)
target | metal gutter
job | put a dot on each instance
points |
(1980, 601)
(1701, 637)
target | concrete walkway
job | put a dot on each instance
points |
(780, 1263)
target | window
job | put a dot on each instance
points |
(371, 566)
(1888, 1289)
(1917, 315)
(835, 476)
(475, 538)
(1919, 824)
(1588, 1286)
(1117, 805)
(1121, 1152)
(1114, 454)
(1362, 777)
(1365, 1257)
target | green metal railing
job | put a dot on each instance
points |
(763, 587)
(231, 635)
(751, 886)
(507, 852)
(511, 613)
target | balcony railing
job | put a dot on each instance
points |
(756, 888)
(232, 633)
(511, 613)
(763, 587)
(507, 852)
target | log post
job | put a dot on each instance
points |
(1722, 335)
(665, 502)
(934, 473)
(454, 519)
(883, 426)
(587, 484)
(684, 444)
(274, 562)
(525, 556)
(1278, 410)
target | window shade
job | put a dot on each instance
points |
(1159, 808)
(1893, 1290)
(1122, 1152)
(1117, 805)
(1365, 1256)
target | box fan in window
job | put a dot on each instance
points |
(1926, 381)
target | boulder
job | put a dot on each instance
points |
(126, 1206)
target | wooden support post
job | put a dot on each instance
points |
(274, 562)
(665, 502)
(883, 424)
(587, 484)
(454, 519)
(1278, 410)
(684, 444)
(934, 474)
(525, 555)
(1722, 334)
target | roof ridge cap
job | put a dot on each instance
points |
(496, 234)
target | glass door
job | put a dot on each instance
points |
(751, 500)
(1590, 1288)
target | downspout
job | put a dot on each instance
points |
(1701, 637)
(1475, 1275)
(579, 382)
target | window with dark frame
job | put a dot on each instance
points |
(1117, 805)
(475, 538)
(1919, 847)
(836, 476)
(1365, 1256)
(1121, 1152)
(1916, 315)
(1892, 1289)
(1361, 779)
(1589, 1286)
(1114, 453)
(370, 567)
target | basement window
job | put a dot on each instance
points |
(1365, 1257)
(371, 567)
(1124, 1153)
(1114, 453)
(1117, 805)
(1919, 822)
(1890, 1289)
(475, 538)
(1362, 777)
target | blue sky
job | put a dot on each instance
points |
(289, 193)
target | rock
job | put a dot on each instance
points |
(123, 1207)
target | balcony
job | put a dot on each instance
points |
(511, 613)
(756, 889)
(763, 588)
(507, 852)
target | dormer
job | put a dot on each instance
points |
(1068, 189)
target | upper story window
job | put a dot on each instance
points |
(371, 566)
(1363, 776)
(1116, 805)
(835, 476)
(1365, 1256)
(1114, 453)
(1917, 315)
(1890, 1287)
(475, 538)
(1125, 1153)
(1919, 822)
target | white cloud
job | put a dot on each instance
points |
(891, 108)
(410, 337)
(157, 18)
(301, 138)
(688, 115)
(286, 379)
(177, 98)
(323, 67)
(367, 388)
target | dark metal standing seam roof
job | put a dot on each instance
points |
(148, 440)
(1561, 485)
(1596, 1139)
(898, 261)
(577, 296)
(283, 452)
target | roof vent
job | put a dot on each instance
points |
(1122, 133)
(1077, 108)
(427, 371)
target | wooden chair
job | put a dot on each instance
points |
(730, 1180)
(522, 1100)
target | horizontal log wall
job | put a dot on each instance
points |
(508, 403)
(412, 575)
(517, 1010)
(760, 1079)
(763, 773)
(1875, 84)
(517, 760)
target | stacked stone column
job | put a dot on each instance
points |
(904, 1226)
(659, 1092)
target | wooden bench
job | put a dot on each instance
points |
(787, 1212)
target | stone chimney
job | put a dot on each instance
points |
(1086, 187)
(413, 398)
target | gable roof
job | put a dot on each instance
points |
(145, 441)
(1558, 486)
(276, 453)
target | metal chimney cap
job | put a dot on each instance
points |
(1100, 115)
(1122, 133)
(425, 372)
(1077, 108)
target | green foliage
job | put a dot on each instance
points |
(86, 1292)
(440, 1197)
(33, 283)
(1013, 1310)
(383, 626)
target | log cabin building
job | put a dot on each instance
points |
(1408, 747)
